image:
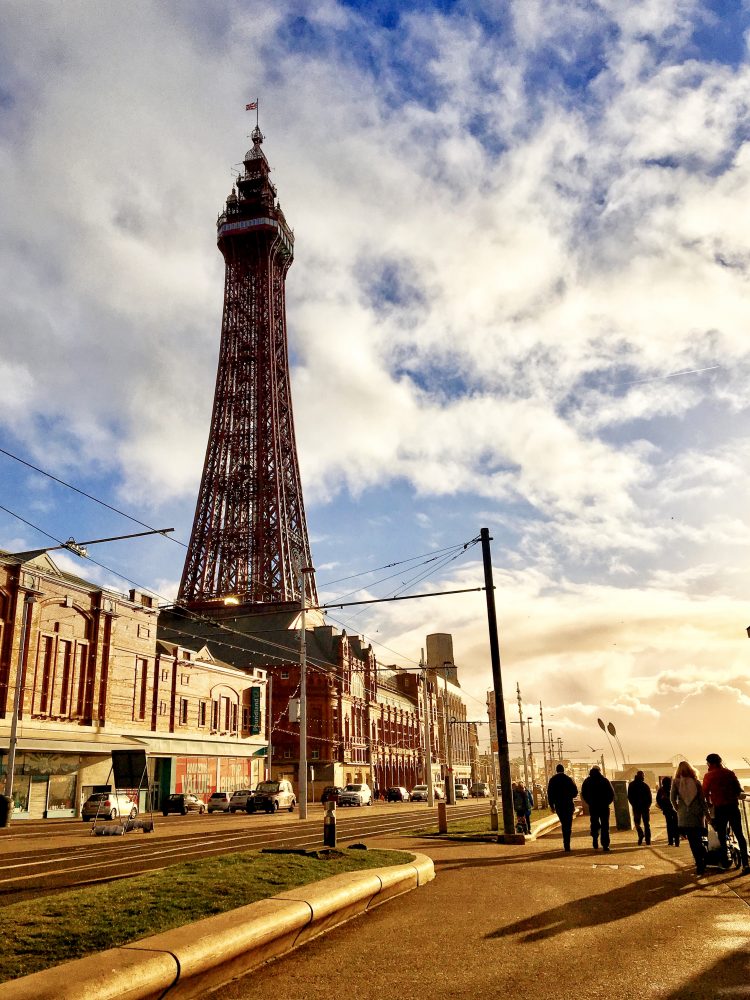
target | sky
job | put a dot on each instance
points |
(519, 301)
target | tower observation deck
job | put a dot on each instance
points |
(249, 539)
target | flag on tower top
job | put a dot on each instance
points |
(252, 106)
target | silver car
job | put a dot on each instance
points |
(108, 805)
(219, 802)
(239, 799)
(355, 795)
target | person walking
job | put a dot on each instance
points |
(520, 806)
(640, 799)
(670, 816)
(686, 796)
(561, 791)
(722, 790)
(598, 794)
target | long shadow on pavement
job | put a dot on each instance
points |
(600, 908)
(729, 977)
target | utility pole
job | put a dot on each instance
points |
(503, 755)
(450, 796)
(559, 748)
(427, 733)
(544, 751)
(531, 753)
(523, 740)
(551, 748)
(28, 601)
(269, 752)
(303, 696)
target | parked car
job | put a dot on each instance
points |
(356, 795)
(480, 790)
(270, 796)
(183, 803)
(397, 794)
(461, 789)
(238, 801)
(420, 793)
(108, 805)
(331, 793)
(219, 802)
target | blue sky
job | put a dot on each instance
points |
(515, 223)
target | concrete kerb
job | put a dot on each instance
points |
(187, 961)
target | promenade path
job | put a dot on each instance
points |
(534, 923)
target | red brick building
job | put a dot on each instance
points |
(95, 680)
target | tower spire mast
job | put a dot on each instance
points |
(249, 533)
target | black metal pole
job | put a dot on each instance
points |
(502, 729)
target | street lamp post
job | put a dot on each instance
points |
(303, 695)
(28, 601)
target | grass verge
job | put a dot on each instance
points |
(40, 933)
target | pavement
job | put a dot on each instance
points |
(534, 922)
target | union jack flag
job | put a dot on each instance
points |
(252, 107)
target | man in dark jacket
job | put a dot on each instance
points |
(561, 790)
(598, 794)
(639, 797)
(722, 790)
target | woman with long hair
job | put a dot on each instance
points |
(686, 796)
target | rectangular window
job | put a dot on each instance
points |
(45, 656)
(234, 719)
(214, 715)
(184, 679)
(144, 632)
(183, 711)
(202, 714)
(285, 675)
(245, 718)
(162, 708)
(288, 752)
(165, 675)
(314, 754)
(83, 697)
(65, 670)
(141, 691)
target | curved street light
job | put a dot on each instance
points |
(603, 728)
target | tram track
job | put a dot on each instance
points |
(30, 873)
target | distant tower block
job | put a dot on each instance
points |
(440, 652)
(249, 536)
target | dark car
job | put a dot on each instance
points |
(331, 793)
(270, 796)
(397, 794)
(183, 802)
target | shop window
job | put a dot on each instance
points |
(140, 688)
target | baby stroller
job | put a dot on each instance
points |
(716, 856)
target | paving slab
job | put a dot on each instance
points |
(507, 921)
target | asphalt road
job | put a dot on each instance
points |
(534, 922)
(46, 856)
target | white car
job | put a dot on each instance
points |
(108, 805)
(420, 793)
(219, 802)
(355, 795)
(462, 790)
(239, 799)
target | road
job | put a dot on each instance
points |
(502, 922)
(49, 855)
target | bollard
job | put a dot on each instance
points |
(442, 818)
(329, 825)
(494, 825)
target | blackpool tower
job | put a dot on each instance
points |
(249, 540)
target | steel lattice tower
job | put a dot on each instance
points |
(249, 536)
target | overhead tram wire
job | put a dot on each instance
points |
(433, 554)
(88, 496)
(323, 665)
